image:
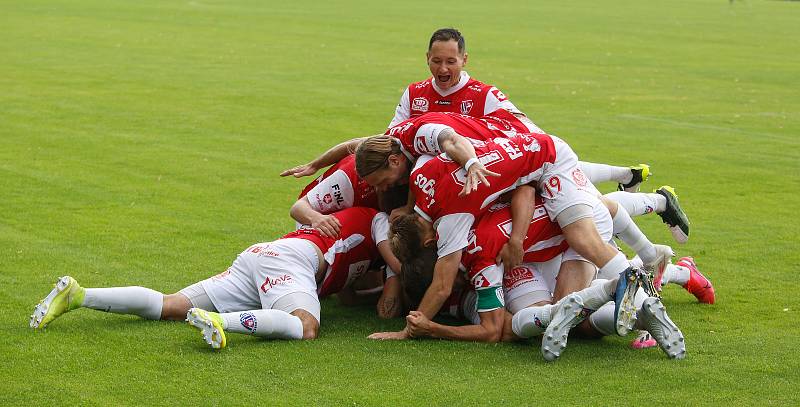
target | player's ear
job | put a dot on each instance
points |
(465, 58)
(429, 243)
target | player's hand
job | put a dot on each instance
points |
(328, 225)
(476, 175)
(390, 335)
(300, 171)
(418, 324)
(398, 212)
(511, 255)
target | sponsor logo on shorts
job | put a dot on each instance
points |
(272, 282)
(515, 277)
(249, 321)
(466, 106)
(420, 104)
(579, 177)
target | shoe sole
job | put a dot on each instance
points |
(625, 318)
(672, 342)
(554, 340)
(211, 334)
(42, 309)
(665, 254)
(674, 215)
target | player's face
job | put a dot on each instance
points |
(446, 63)
(395, 173)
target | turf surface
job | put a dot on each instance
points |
(140, 144)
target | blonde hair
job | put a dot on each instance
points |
(373, 154)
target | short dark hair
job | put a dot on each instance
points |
(417, 275)
(404, 238)
(448, 34)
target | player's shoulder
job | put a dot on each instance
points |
(417, 86)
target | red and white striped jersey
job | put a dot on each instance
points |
(340, 188)
(349, 256)
(543, 240)
(437, 182)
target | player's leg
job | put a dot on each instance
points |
(652, 318)
(663, 201)
(628, 178)
(655, 257)
(686, 274)
(302, 322)
(68, 295)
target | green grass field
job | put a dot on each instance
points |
(140, 144)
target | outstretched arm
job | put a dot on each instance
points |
(330, 157)
(489, 330)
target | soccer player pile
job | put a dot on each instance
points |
(463, 208)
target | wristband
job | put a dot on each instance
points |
(470, 162)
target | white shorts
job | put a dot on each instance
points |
(527, 284)
(263, 274)
(605, 227)
(563, 184)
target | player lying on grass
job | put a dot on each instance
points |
(271, 290)
(451, 89)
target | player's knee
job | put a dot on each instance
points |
(175, 306)
(310, 323)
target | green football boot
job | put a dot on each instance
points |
(66, 296)
(210, 325)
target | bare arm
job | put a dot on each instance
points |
(390, 303)
(302, 212)
(444, 275)
(489, 330)
(328, 158)
(460, 150)
(521, 213)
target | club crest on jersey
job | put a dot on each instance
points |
(420, 104)
(249, 321)
(579, 177)
(466, 106)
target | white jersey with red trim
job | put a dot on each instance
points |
(340, 188)
(437, 182)
(468, 97)
(420, 135)
(543, 240)
(350, 255)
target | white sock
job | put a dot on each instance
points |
(638, 204)
(604, 173)
(676, 274)
(266, 323)
(531, 321)
(628, 232)
(616, 265)
(140, 301)
(602, 320)
(636, 262)
(598, 293)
